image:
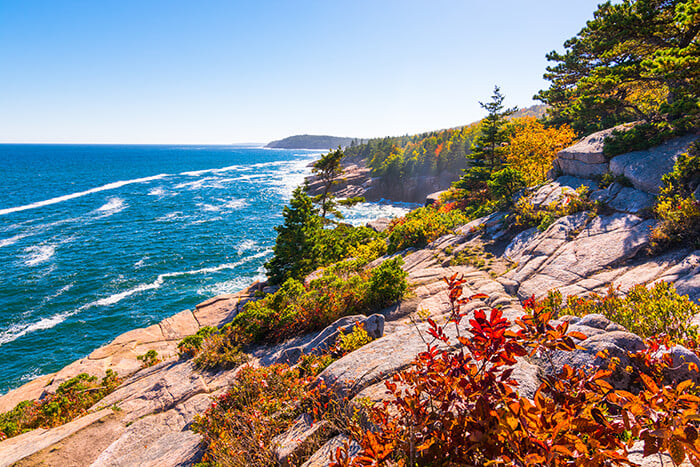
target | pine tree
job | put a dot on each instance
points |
(486, 154)
(293, 251)
(327, 168)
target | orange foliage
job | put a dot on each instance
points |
(534, 147)
(462, 407)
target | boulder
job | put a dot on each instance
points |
(586, 158)
(644, 169)
(434, 198)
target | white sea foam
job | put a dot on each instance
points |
(12, 240)
(235, 204)
(246, 245)
(157, 191)
(139, 264)
(18, 330)
(59, 199)
(160, 280)
(38, 254)
(362, 213)
(230, 286)
(113, 206)
(197, 173)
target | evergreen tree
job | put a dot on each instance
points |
(486, 149)
(327, 168)
(486, 153)
(635, 60)
(293, 251)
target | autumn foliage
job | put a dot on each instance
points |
(462, 407)
(533, 148)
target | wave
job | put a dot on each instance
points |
(230, 286)
(59, 199)
(11, 240)
(16, 331)
(38, 254)
(197, 173)
(157, 191)
(113, 206)
(160, 280)
(246, 245)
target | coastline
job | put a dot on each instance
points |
(120, 354)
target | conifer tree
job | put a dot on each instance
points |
(486, 155)
(327, 168)
(293, 251)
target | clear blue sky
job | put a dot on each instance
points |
(201, 71)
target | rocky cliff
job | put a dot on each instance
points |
(146, 420)
(356, 180)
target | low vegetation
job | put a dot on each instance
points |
(239, 427)
(654, 311)
(676, 207)
(71, 400)
(463, 408)
(423, 225)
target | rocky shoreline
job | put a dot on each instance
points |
(146, 420)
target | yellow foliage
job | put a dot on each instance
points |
(534, 147)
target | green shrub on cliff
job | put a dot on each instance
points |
(676, 207)
(657, 310)
(72, 399)
(421, 226)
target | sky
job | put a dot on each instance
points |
(222, 72)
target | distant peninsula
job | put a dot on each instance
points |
(312, 142)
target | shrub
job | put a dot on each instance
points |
(218, 353)
(239, 426)
(461, 407)
(351, 341)
(387, 283)
(190, 345)
(332, 245)
(72, 399)
(421, 226)
(295, 309)
(676, 207)
(658, 310)
(148, 359)
(525, 215)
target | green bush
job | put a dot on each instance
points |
(387, 283)
(190, 345)
(72, 399)
(421, 226)
(644, 311)
(295, 309)
(641, 136)
(676, 207)
(148, 359)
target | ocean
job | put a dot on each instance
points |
(96, 240)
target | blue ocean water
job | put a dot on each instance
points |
(96, 240)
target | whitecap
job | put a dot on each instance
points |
(59, 199)
(197, 173)
(16, 331)
(139, 264)
(246, 245)
(362, 213)
(158, 191)
(160, 280)
(11, 240)
(230, 286)
(113, 206)
(235, 204)
(171, 216)
(38, 254)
